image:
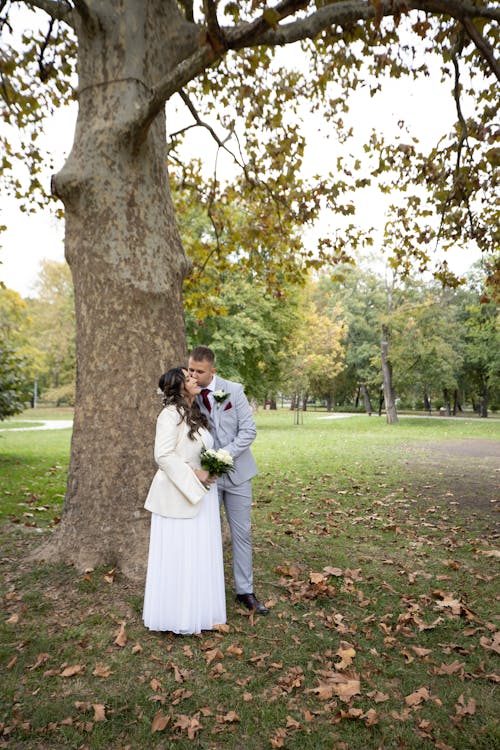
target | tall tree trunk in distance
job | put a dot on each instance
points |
(456, 402)
(485, 397)
(390, 403)
(366, 399)
(427, 403)
(128, 265)
(447, 405)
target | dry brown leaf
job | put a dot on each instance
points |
(73, 670)
(347, 654)
(455, 666)
(155, 685)
(463, 708)
(137, 648)
(160, 721)
(13, 619)
(213, 654)
(377, 696)
(101, 670)
(417, 697)
(231, 717)
(234, 651)
(40, 659)
(222, 628)
(99, 712)
(83, 705)
(121, 636)
(421, 651)
(337, 572)
(110, 575)
(292, 723)
(278, 738)
(12, 662)
(189, 724)
(247, 697)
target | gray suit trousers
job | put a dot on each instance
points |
(237, 501)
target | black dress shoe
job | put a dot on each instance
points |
(251, 602)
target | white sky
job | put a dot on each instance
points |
(426, 106)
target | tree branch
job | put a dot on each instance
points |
(267, 31)
(349, 11)
(482, 45)
(59, 11)
(188, 10)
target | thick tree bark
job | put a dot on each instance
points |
(427, 403)
(127, 262)
(390, 403)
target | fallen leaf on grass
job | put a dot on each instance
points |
(110, 575)
(73, 670)
(417, 697)
(101, 670)
(345, 686)
(13, 619)
(453, 668)
(121, 636)
(160, 721)
(463, 708)
(491, 644)
(40, 659)
(347, 654)
(377, 696)
(99, 712)
(189, 724)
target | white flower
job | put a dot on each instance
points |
(220, 396)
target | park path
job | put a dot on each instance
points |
(46, 424)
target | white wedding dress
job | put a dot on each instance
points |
(185, 579)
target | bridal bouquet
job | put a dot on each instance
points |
(216, 462)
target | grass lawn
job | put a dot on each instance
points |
(374, 546)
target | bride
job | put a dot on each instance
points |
(185, 577)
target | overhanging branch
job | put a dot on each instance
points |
(59, 11)
(482, 45)
(267, 31)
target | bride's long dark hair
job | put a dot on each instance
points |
(170, 384)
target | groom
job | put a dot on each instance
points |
(233, 428)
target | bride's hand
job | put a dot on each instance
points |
(204, 477)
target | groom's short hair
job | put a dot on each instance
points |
(201, 353)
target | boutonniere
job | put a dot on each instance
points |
(220, 397)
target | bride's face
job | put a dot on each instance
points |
(190, 388)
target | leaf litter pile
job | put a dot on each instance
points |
(383, 633)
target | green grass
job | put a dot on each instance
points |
(409, 585)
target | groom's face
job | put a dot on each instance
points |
(201, 370)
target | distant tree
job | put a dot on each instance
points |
(53, 330)
(250, 333)
(15, 387)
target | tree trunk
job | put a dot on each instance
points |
(447, 405)
(427, 403)
(272, 403)
(366, 399)
(127, 263)
(456, 402)
(484, 403)
(305, 398)
(390, 403)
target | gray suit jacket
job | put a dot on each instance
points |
(233, 428)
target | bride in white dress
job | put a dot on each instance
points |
(185, 578)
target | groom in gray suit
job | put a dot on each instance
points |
(233, 428)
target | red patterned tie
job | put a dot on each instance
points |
(204, 395)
